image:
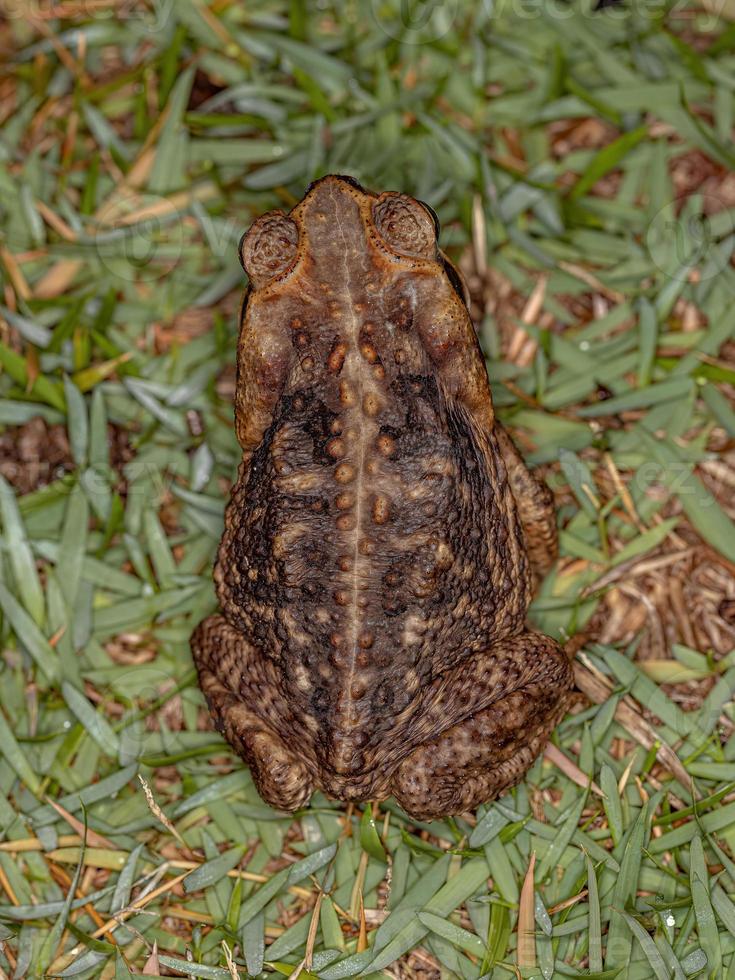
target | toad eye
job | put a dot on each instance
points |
(434, 217)
(269, 247)
(405, 225)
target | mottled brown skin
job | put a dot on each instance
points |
(374, 572)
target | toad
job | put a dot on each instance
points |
(381, 539)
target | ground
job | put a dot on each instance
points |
(581, 164)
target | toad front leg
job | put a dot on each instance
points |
(508, 700)
(535, 504)
(243, 694)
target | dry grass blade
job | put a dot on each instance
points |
(93, 838)
(158, 812)
(630, 717)
(555, 756)
(152, 967)
(526, 919)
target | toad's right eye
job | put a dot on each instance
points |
(407, 225)
(269, 247)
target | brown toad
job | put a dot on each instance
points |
(374, 571)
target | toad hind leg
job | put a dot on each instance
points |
(241, 690)
(520, 689)
(535, 504)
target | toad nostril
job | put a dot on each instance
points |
(347, 179)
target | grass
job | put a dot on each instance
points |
(580, 164)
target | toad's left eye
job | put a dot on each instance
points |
(269, 247)
(405, 225)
